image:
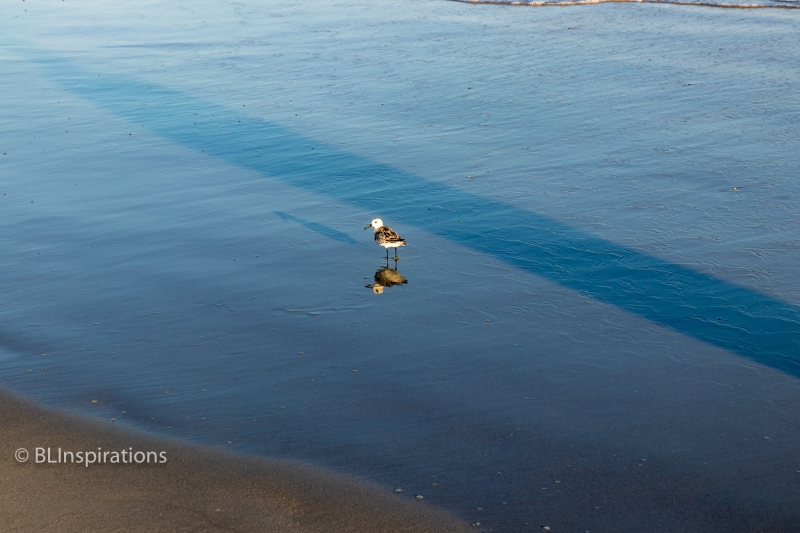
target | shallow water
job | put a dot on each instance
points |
(600, 326)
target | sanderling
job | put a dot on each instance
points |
(386, 237)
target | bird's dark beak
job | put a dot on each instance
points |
(368, 226)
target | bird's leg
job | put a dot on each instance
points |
(395, 255)
(387, 254)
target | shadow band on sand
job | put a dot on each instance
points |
(325, 231)
(753, 325)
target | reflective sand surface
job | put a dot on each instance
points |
(599, 325)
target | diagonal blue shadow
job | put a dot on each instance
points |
(325, 231)
(751, 324)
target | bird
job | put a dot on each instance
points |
(386, 237)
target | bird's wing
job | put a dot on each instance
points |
(385, 234)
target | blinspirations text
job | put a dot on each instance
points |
(91, 457)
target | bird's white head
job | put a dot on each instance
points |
(376, 223)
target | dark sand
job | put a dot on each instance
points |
(197, 489)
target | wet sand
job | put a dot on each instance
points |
(197, 489)
(600, 326)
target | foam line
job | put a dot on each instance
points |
(592, 2)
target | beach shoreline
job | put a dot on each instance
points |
(197, 488)
(600, 324)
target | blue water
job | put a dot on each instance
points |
(600, 327)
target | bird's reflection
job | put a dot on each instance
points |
(386, 277)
